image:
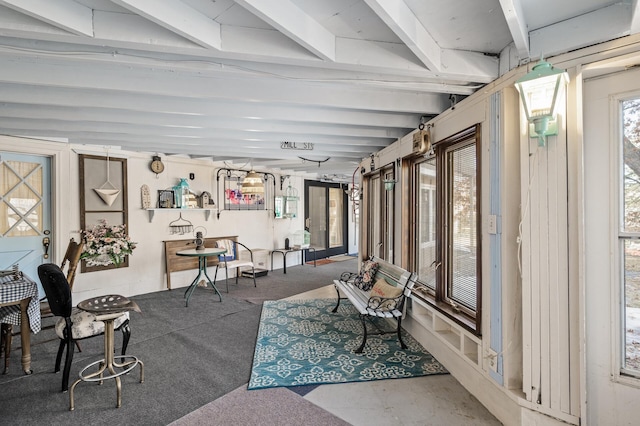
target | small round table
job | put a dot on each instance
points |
(108, 309)
(202, 268)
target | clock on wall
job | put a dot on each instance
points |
(157, 166)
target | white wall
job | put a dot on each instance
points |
(146, 271)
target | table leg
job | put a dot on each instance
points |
(212, 284)
(284, 260)
(25, 336)
(194, 283)
(314, 255)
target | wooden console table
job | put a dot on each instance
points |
(174, 263)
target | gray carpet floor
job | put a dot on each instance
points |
(192, 356)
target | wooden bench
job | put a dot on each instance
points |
(174, 263)
(373, 305)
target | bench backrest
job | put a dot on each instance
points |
(393, 274)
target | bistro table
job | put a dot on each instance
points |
(202, 268)
(20, 305)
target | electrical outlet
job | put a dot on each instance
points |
(492, 356)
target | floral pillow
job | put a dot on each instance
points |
(364, 280)
(384, 296)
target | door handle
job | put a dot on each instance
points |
(46, 242)
(307, 223)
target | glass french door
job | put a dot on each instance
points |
(25, 212)
(325, 210)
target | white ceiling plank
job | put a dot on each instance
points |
(397, 15)
(191, 124)
(635, 17)
(512, 10)
(180, 18)
(238, 138)
(65, 14)
(289, 19)
(132, 104)
(601, 25)
(161, 82)
(150, 43)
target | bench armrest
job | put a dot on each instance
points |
(385, 304)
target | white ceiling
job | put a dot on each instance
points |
(233, 80)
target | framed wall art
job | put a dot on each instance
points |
(103, 197)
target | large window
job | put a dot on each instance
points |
(380, 213)
(446, 224)
(629, 236)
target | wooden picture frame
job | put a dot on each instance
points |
(166, 199)
(93, 174)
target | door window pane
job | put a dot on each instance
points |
(21, 199)
(335, 217)
(317, 216)
(630, 235)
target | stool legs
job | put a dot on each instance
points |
(108, 364)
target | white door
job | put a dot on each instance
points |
(612, 247)
(25, 212)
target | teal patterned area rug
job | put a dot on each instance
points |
(301, 342)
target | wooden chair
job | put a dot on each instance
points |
(232, 259)
(70, 261)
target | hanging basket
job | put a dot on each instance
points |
(108, 194)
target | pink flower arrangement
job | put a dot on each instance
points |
(105, 245)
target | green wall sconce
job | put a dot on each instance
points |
(539, 91)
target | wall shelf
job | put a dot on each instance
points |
(152, 212)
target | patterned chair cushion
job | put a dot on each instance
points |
(84, 324)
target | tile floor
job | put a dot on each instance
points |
(430, 400)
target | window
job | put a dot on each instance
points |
(629, 236)
(446, 221)
(380, 212)
(426, 223)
